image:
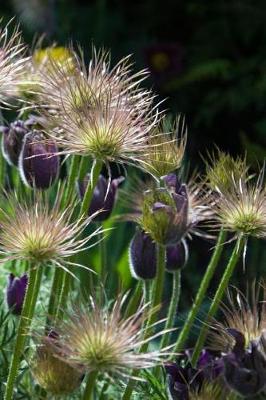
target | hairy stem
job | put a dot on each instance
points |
(156, 299)
(183, 336)
(218, 297)
(176, 289)
(23, 328)
(88, 393)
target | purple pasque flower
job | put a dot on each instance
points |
(142, 256)
(245, 367)
(15, 294)
(176, 256)
(39, 162)
(183, 379)
(12, 140)
(104, 196)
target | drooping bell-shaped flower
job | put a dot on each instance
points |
(15, 293)
(39, 161)
(142, 256)
(12, 140)
(176, 256)
(104, 196)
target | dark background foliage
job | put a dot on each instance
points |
(208, 59)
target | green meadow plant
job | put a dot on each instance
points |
(86, 314)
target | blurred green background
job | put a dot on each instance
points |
(208, 59)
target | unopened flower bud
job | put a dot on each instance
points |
(38, 162)
(12, 140)
(103, 198)
(165, 215)
(176, 256)
(142, 256)
(15, 294)
(54, 375)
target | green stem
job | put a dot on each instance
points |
(59, 273)
(134, 301)
(23, 328)
(201, 293)
(157, 293)
(88, 393)
(66, 278)
(95, 172)
(218, 297)
(176, 289)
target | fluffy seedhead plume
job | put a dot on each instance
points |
(98, 338)
(41, 232)
(242, 208)
(98, 112)
(167, 147)
(222, 171)
(12, 62)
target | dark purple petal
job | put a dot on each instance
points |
(176, 256)
(142, 253)
(39, 163)
(16, 290)
(103, 196)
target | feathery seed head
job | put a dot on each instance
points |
(222, 171)
(40, 231)
(167, 147)
(52, 374)
(97, 338)
(242, 208)
(12, 62)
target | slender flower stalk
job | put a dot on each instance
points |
(218, 296)
(183, 335)
(175, 297)
(24, 326)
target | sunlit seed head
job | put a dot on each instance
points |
(98, 338)
(12, 62)
(167, 147)
(245, 315)
(242, 208)
(52, 374)
(222, 171)
(39, 231)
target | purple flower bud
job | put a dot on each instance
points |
(12, 140)
(15, 294)
(142, 256)
(245, 368)
(103, 196)
(38, 161)
(176, 256)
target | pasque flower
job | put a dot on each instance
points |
(12, 139)
(104, 196)
(142, 256)
(199, 383)
(176, 256)
(241, 208)
(96, 337)
(15, 292)
(41, 232)
(99, 112)
(38, 160)
(12, 62)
